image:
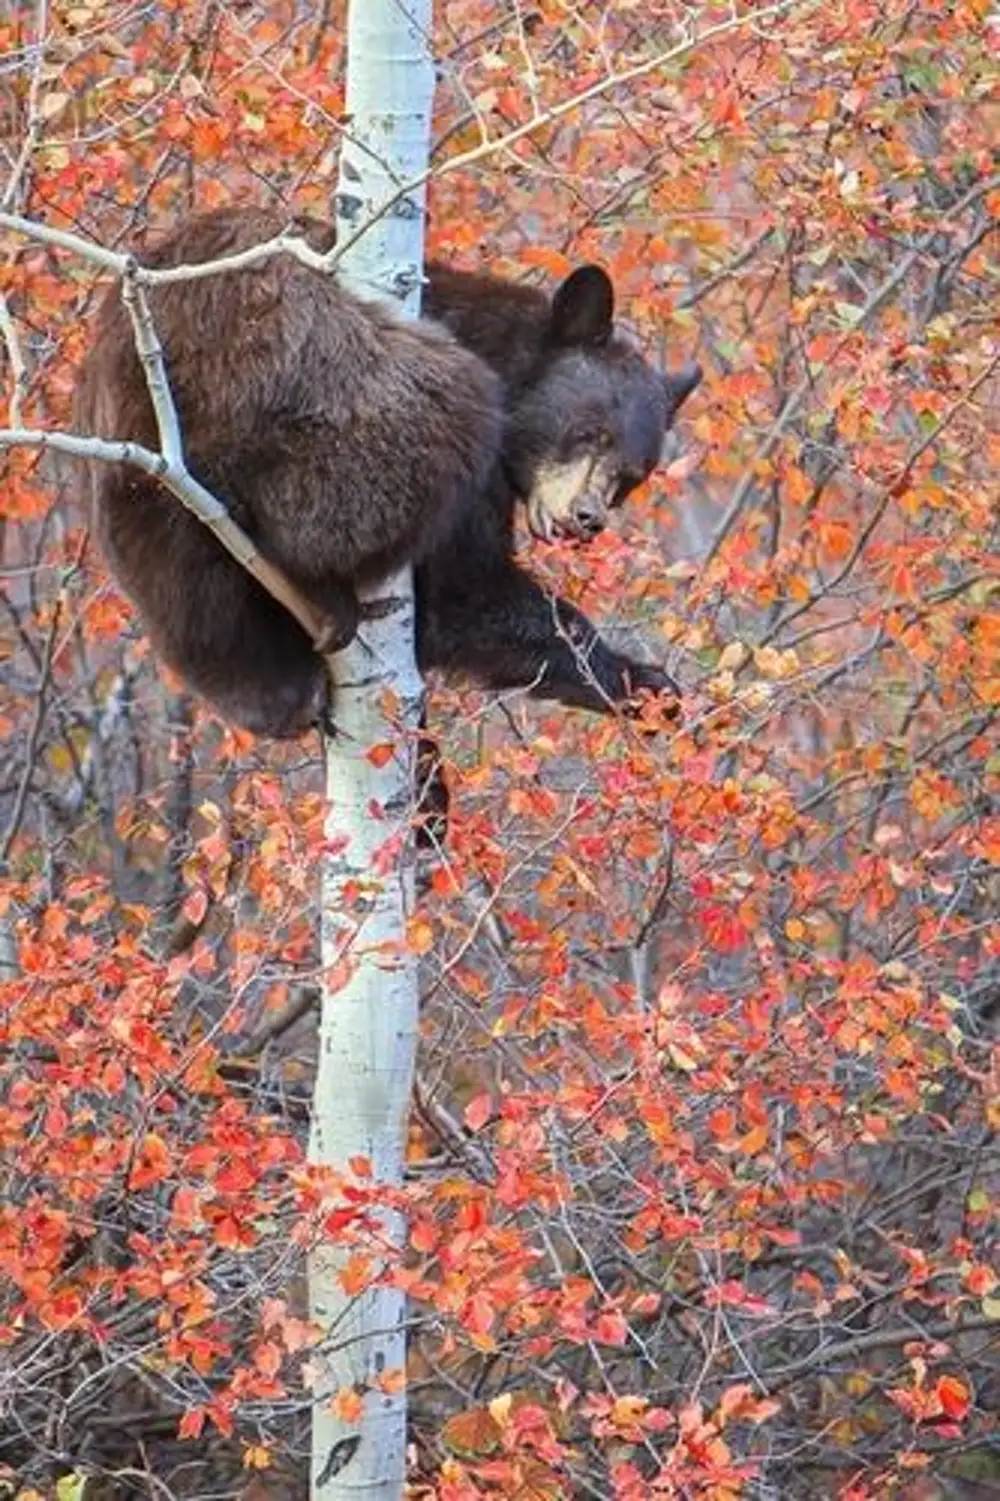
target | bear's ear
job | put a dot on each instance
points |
(583, 308)
(680, 386)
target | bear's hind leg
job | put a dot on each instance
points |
(242, 651)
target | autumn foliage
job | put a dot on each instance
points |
(704, 1171)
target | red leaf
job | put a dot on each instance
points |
(478, 1111)
(610, 1328)
(191, 1423)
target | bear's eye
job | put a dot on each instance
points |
(595, 439)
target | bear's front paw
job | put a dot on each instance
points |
(642, 680)
(322, 719)
(333, 636)
(338, 623)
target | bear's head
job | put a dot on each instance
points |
(589, 424)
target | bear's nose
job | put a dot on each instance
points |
(589, 517)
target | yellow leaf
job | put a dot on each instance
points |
(843, 1432)
(757, 695)
(769, 661)
(419, 935)
(60, 758)
(628, 1410)
(732, 657)
(680, 1059)
(500, 1408)
(582, 877)
(52, 105)
(722, 687)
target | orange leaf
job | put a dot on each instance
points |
(754, 1140)
(478, 1314)
(356, 1275)
(152, 1164)
(267, 1358)
(953, 1396)
(423, 1236)
(610, 1328)
(194, 908)
(472, 1433)
(419, 935)
(739, 1403)
(348, 1406)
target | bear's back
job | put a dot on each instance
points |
(239, 346)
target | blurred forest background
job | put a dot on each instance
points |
(703, 1169)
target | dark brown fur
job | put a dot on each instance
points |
(343, 440)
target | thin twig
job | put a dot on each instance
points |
(37, 720)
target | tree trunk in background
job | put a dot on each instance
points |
(368, 1028)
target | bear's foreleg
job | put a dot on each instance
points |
(503, 629)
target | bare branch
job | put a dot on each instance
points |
(18, 369)
(150, 352)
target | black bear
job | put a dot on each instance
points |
(345, 442)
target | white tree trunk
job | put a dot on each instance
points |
(368, 1028)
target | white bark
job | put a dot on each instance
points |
(368, 1027)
